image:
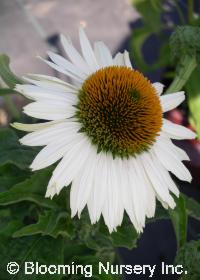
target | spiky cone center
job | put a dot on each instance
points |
(120, 111)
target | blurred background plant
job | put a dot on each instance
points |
(164, 44)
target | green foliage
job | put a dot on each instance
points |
(12, 152)
(126, 236)
(136, 43)
(4, 91)
(150, 11)
(45, 250)
(192, 207)
(35, 228)
(32, 189)
(193, 95)
(179, 219)
(7, 180)
(185, 40)
(6, 74)
(52, 223)
(189, 257)
(32, 225)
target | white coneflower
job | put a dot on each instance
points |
(107, 129)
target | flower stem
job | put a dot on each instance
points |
(190, 11)
(180, 13)
(184, 70)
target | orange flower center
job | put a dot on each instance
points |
(120, 111)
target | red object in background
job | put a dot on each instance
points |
(176, 116)
(192, 147)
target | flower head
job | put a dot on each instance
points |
(107, 129)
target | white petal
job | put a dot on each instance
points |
(32, 127)
(50, 82)
(150, 165)
(138, 192)
(176, 131)
(98, 192)
(38, 93)
(87, 50)
(51, 191)
(70, 165)
(158, 87)
(119, 59)
(54, 151)
(66, 65)
(172, 100)
(61, 70)
(103, 54)
(74, 55)
(50, 134)
(82, 185)
(165, 141)
(127, 60)
(119, 209)
(147, 186)
(113, 208)
(126, 191)
(171, 161)
(167, 180)
(49, 110)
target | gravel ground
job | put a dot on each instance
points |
(25, 25)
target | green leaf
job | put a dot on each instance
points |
(185, 51)
(137, 41)
(44, 250)
(179, 220)
(150, 11)
(10, 175)
(125, 236)
(97, 237)
(52, 223)
(11, 151)
(4, 91)
(34, 248)
(189, 257)
(32, 189)
(192, 207)
(184, 41)
(161, 213)
(6, 74)
(193, 95)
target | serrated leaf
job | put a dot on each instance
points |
(6, 74)
(189, 257)
(179, 220)
(94, 273)
(44, 250)
(32, 189)
(125, 236)
(52, 223)
(11, 151)
(185, 41)
(193, 95)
